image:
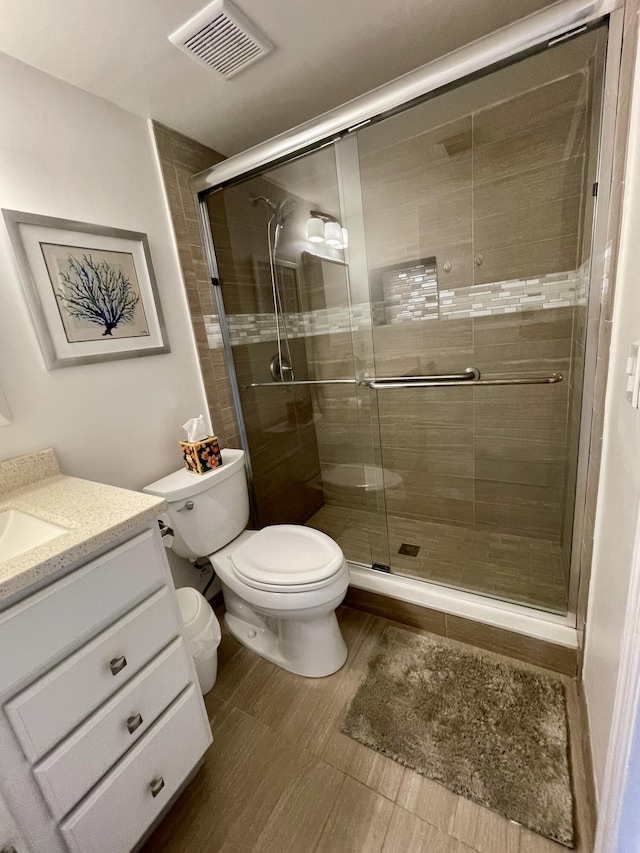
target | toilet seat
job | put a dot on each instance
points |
(287, 558)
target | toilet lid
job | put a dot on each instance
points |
(287, 555)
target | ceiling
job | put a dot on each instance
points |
(326, 52)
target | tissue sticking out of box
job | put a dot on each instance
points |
(201, 452)
(196, 429)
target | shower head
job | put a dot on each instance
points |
(285, 211)
(255, 199)
(281, 212)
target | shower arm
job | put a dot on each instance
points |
(470, 376)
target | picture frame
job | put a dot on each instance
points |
(91, 289)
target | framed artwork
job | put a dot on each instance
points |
(91, 289)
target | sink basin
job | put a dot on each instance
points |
(20, 532)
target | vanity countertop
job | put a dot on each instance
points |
(92, 514)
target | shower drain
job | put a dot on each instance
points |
(408, 550)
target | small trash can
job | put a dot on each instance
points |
(203, 635)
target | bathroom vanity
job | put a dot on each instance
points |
(101, 719)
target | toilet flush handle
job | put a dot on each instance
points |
(188, 505)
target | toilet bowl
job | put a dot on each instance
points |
(281, 585)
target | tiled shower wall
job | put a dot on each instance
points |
(489, 457)
(485, 457)
(494, 196)
(279, 421)
(181, 158)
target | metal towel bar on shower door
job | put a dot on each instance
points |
(470, 376)
(395, 382)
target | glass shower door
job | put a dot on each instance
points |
(469, 221)
(477, 211)
(309, 427)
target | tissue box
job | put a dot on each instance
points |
(201, 456)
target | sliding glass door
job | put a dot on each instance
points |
(477, 209)
(296, 343)
(405, 313)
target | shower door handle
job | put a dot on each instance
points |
(297, 382)
(469, 374)
(396, 382)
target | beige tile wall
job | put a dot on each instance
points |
(417, 201)
(497, 194)
(281, 436)
(527, 181)
(279, 422)
(180, 158)
(486, 457)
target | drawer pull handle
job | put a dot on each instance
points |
(134, 722)
(117, 664)
(156, 786)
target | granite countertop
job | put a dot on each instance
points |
(92, 514)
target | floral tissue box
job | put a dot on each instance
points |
(201, 456)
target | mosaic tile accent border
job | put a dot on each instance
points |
(556, 290)
(254, 328)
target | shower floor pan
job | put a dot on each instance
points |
(517, 569)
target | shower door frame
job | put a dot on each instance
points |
(533, 34)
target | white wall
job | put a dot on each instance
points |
(66, 153)
(619, 496)
(628, 829)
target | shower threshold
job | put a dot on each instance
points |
(549, 627)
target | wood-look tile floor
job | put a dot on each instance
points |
(280, 777)
(519, 569)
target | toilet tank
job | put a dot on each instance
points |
(220, 505)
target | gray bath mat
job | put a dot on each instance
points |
(491, 732)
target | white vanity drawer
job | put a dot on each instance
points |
(43, 713)
(122, 807)
(61, 616)
(84, 757)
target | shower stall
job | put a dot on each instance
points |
(404, 307)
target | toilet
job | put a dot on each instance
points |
(281, 584)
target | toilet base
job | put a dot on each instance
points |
(312, 647)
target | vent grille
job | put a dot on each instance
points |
(221, 38)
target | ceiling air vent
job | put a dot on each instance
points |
(221, 38)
